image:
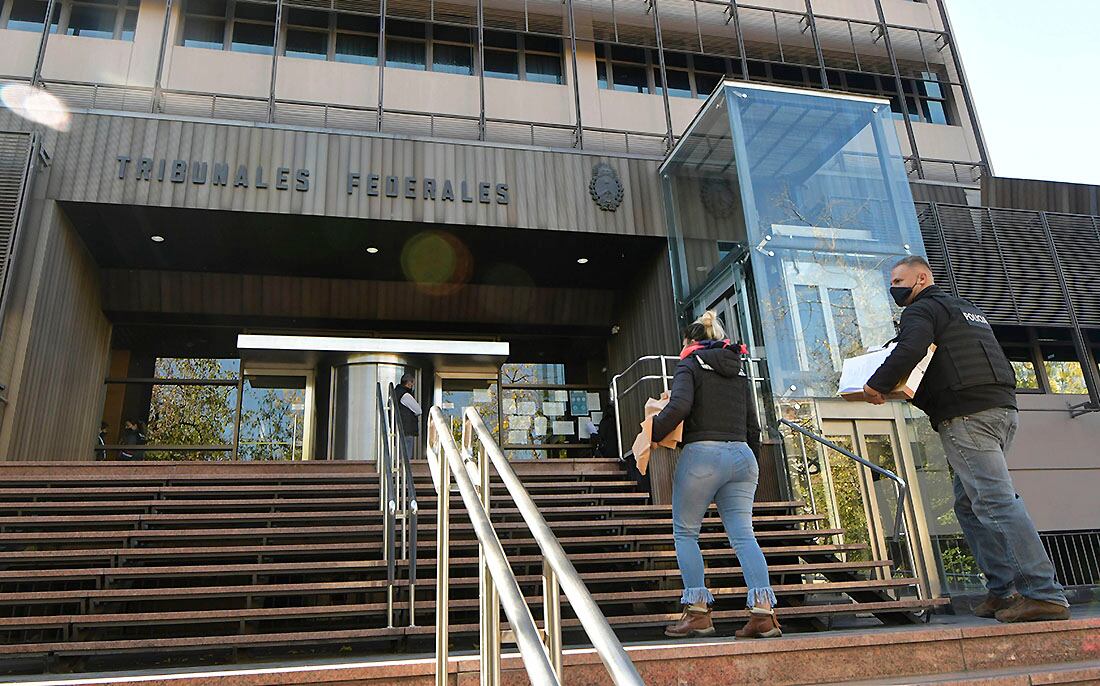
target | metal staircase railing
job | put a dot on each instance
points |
(541, 650)
(397, 499)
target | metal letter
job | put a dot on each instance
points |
(221, 174)
(301, 180)
(391, 186)
(410, 187)
(372, 184)
(241, 180)
(123, 160)
(466, 197)
(429, 189)
(198, 172)
(483, 192)
(281, 178)
(448, 192)
(260, 183)
(502, 193)
(145, 168)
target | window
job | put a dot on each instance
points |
(234, 25)
(542, 59)
(406, 45)
(356, 39)
(638, 70)
(452, 50)
(253, 29)
(307, 34)
(111, 19)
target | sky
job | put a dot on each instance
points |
(1034, 71)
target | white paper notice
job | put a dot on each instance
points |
(553, 409)
(597, 417)
(585, 428)
(509, 406)
(527, 407)
(519, 422)
(517, 437)
(541, 425)
(593, 401)
(563, 428)
(560, 396)
(481, 395)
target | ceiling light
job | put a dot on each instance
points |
(582, 260)
(157, 239)
(372, 250)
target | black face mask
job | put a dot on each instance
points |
(900, 294)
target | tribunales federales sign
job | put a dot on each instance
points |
(301, 180)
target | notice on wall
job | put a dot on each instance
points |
(517, 437)
(541, 425)
(560, 396)
(481, 395)
(563, 428)
(527, 407)
(553, 409)
(593, 402)
(519, 422)
(578, 403)
(597, 417)
(585, 428)
(509, 406)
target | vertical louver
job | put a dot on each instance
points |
(15, 152)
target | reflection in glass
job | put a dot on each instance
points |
(850, 511)
(1065, 376)
(273, 418)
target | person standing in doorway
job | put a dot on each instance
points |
(712, 396)
(408, 412)
(132, 434)
(969, 395)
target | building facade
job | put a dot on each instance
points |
(503, 172)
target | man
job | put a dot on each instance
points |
(408, 412)
(969, 395)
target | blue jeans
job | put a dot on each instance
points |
(725, 473)
(993, 518)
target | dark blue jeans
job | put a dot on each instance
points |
(993, 518)
(724, 473)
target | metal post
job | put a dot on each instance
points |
(442, 562)
(900, 88)
(551, 614)
(740, 39)
(275, 59)
(817, 44)
(664, 75)
(664, 375)
(481, 68)
(579, 135)
(237, 416)
(381, 60)
(36, 76)
(490, 605)
(155, 105)
(618, 415)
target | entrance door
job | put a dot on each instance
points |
(864, 502)
(276, 415)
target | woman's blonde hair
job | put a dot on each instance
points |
(705, 328)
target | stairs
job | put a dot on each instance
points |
(142, 564)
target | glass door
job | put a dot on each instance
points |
(454, 392)
(276, 418)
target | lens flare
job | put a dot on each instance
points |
(437, 262)
(36, 105)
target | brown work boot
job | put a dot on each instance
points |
(762, 624)
(694, 622)
(992, 603)
(1031, 610)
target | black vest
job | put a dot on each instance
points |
(967, 353)
(409, 421)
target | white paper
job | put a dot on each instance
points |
(560, 396)
(527, 407)
(563, 428)
(481, 395)
(509, 406)
(597, 417)
(517, 437)
(541, 425)
(585, 428)
(593, 402)
(553, 409)
(519, 422)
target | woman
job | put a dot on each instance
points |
(713, 397)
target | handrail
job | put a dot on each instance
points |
(901, 487)
(557, 569)
(388, 504)
(615, 395)
(445, 459)
(407, 507)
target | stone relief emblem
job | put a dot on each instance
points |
(605, 187)
(718, 196)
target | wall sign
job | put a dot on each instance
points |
(300, 179)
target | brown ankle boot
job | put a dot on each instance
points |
(762, 624)
(693, 622)
(994, 604)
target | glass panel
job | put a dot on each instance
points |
(356, 49)
(129, 25)
(706, 83)
(91, 21)
(601, 74)
(306, 44)
(501, 39)
(934, 112)
(630, 79)
(543, 68)
(880, 450)
(459, 394)
(190, 414)
(197, 368)
(213, 8)
(356, 22)
(817, 351)
(258, 39)
(261, 13)
(679, 83)
(406, 54)
(204, 33)
(542, 44)
(500, 64)
(1026, 376)
(842, 304)
(533, 373)
(273, 416)
(848, 495)
(301, 17)
(1065, 376)
(27, 15)
(452, 59)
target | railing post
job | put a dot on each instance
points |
(490, 605)
(442, 561)
(551, 617)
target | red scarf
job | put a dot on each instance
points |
(696, 346)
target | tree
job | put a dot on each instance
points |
(190, 414)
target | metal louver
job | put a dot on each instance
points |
(15, 164)
(1077, 242)
(933, 245)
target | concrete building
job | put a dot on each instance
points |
(234, 184)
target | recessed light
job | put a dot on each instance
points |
(582, 260)
(372, 250)
(157, 239)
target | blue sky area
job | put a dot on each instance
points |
(1034, 70)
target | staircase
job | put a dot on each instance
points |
(107, 565)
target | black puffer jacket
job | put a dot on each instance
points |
(715, 404)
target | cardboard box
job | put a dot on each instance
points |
(857, 370)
